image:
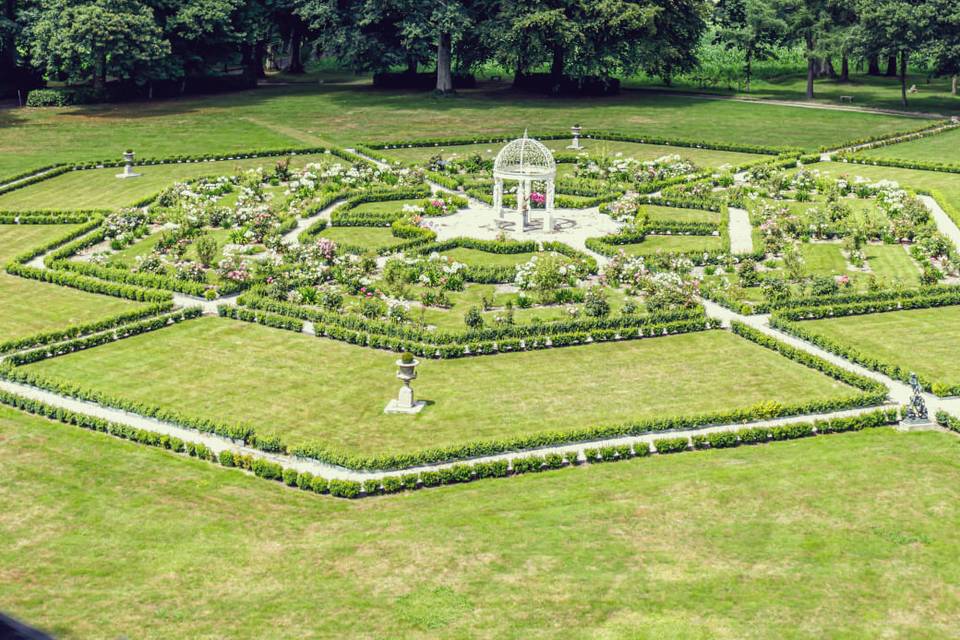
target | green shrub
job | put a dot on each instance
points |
(553, 460)
(266, 469)
(754, 435)
(319, 485)
(392, 484)
(305, 480)
(371, 487)
(528, 464)
(671, 445)
(717, 440)
(290, 477)
(226, 458)
(344, 488)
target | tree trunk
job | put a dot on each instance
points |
(873, 65)
(953, 85)
(259, 53)
(903, 77)
(411, 65)
(100, 74)
(891, 66)
(811, 67)
(444, 77)
(556, 69)
(844, 69)
(296, 46)
(828, 68)
(748, 69)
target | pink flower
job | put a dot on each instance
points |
(537, 198)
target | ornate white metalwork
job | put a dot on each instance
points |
(525, 160)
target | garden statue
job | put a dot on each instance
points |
(128, 166)
(917, 409)
(404, 402)
(575, 130)
(916, 416)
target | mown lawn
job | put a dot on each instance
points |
(311, 115)
(27, 306)
(926, 341)
(595, 148)
(101, 189)
(372, 238)
(941, 147)
(797, 540)
(480, 258)
(320, 390)
(653, 245)
(676, 214)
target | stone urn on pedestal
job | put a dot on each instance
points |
(128, 166)
(405, 402)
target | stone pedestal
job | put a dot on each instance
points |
(128, 166)
(908, 424)
(405, 401)
(575, 144)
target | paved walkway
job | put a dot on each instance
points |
(945, 223)
(741, 233)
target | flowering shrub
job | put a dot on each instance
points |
(124, 221)
(193, 271)
(544, 272)
(234, 269)
(619, 169)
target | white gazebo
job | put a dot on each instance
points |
(525, 160)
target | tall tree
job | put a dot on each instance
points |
(755, 27)
(944, 48)
(898, 28)
(808, 20)
(94, 39)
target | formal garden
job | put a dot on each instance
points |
(326, 326)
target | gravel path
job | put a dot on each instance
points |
(741, 233)
(945, 223)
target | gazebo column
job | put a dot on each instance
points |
(548, 207)
(498, 196)
(522, 196)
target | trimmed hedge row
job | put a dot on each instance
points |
(874, 364)
(453, 474)
(266, 319)
(944, 419)
(60, 241)
(84, 329)
(873, 392)
(50, 216)
(110, 334)
(892, 138)
(921, 165)
(485, 274)
(643, 324)
(59, 169)
(596, 135)
(91, 285)
(899, 303)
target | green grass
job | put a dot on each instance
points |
(107, 538)
(313, 389)
(941, 147)
(372, 238)
(823, 259)
(670, 244)
(385, 206)
(879, 92)
(700, 157)
(925, 341)
(676, 214)
(351, 113)
(476, 257)
(28, 307)
(101, 189)
(891, 263)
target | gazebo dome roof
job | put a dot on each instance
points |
(524, 158)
